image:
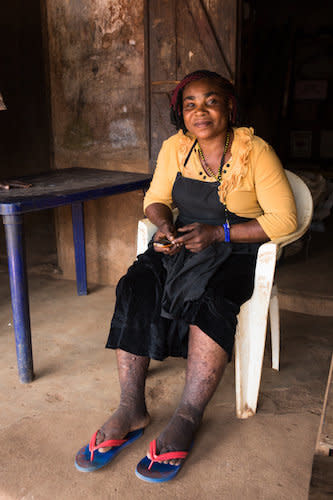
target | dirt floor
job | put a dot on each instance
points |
(43, 424)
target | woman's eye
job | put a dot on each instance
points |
(211, 101)
(189, 105)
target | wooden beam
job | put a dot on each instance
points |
(162, 82)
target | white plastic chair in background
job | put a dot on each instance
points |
(252, 319)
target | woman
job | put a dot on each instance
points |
(182, 296)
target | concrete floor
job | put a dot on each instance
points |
(43, 424)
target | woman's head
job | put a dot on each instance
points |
(223, 88)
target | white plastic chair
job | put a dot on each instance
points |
(252, 319)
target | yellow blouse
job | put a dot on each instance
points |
(254, 183)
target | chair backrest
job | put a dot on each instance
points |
(304, 206)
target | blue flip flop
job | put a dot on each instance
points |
(152, 471)
(89, 458)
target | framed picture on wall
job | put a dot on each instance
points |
(301, 143)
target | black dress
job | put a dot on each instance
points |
(156, 302)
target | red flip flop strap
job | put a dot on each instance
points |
(110, 442)
(170, 455)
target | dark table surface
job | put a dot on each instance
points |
(60, 187)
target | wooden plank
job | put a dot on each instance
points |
(223, 15)
(168, 82)
(191, 53)
(147, 73)
(324, 445)
(205, 31)
(321, 485)
(161, 127)
(162, 69)
(162, 39)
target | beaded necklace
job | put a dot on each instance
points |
(218, 177)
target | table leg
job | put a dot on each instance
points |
(79, 247)
(19, 293)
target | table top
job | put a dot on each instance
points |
(61, 187)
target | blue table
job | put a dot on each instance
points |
(49, 190)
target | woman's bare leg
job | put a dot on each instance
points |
(132, 412)
(205, 365)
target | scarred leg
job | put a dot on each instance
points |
(205, 365)
(132, 412)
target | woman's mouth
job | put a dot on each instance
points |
(202, 123)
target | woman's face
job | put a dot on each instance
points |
(205, 111)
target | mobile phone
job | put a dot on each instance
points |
(163, 242)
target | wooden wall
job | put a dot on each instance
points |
(97, 90)
(101, 101)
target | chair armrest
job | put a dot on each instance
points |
(304, 205)
(146, 229)
(265, 267)
(290, 238)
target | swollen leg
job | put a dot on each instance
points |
(205, 365)
(132, 412)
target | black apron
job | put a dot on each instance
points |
(188, 273)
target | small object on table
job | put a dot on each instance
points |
(14, 184)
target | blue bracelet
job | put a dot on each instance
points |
(226, 228)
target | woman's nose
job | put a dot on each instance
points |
(201, 108)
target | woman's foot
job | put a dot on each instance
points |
(123, 428)
(121, 422)
(179, 433)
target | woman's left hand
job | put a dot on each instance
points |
(198, 236)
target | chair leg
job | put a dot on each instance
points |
(274, 316)
(249, 354)
(251, 334)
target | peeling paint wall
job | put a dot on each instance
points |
(96, 53)
(97, 85)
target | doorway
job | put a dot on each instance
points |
(25, 124)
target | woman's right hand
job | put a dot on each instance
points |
(166, 231)
(161, 216)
